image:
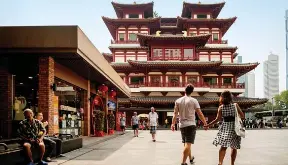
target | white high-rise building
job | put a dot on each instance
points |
(250, 85)
(271, 76)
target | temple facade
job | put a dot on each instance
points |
(157, 57)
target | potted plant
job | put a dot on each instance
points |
(111, 123)
(99, 123)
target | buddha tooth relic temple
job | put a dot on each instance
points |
(157, 57)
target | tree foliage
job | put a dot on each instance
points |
(281, 100)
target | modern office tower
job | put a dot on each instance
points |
(271, 76)
(250, 85)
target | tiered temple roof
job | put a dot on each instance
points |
(164, 100)
(198, 40)
(114, 23)
(214, 8)
(209, 66)
(146, 7)
(223, 24)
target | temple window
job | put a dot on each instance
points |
(173, 81)
(215, 36)
(137, 80)
(133, 15)
(210, 80)
(192, 80)
(132, 37)
(173, 53)
(188, 53)
(121, 36)
(157, 53)
(155, 80)
(202, 16)
(227, 80)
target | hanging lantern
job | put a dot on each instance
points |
(103, 88)
(113, 93)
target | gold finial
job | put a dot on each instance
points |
(158, 33)
(199, 2)
(184, 33)
(134, 2)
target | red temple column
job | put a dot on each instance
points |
(219, 80)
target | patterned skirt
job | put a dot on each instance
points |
(227, 137)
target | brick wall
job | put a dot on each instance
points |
(5, 103)
(87, 112)
(45, 100)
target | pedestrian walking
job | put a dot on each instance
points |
(135, 124)
(186, 107)
(153, 123)
(122, 123)
(226, 136)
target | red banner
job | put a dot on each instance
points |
(118, 116)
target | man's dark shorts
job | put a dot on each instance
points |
(135, 127)
(188, 134)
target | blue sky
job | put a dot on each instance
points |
(259, 29)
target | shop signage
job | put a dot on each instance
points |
(68, 88)
(111, 105)
(55, 114)
(170, 113)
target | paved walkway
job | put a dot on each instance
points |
(265, 147)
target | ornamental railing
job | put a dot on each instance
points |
(124, 42)
(197, 85)
(173, 58)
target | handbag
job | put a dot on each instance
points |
(239, 128)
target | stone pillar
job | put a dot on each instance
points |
(87, 111)
(45, 100)
(6, 102)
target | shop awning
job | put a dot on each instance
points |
(68, 45)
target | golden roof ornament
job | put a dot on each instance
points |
(158, 33)
(184, 33)
(134, 3)
(199, 2)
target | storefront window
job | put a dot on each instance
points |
(70, 108)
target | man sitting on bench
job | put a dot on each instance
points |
(32, 133)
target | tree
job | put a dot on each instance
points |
(281, 101)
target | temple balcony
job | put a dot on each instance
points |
(199, 87)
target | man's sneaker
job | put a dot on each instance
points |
(42, 163)
(154, 140)
(184, 164)
(31, 163)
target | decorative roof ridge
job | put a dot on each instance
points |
(208, 19)
(146, 19)
(239, 64)
(107, 54)
(200, 62)
(132, 4)
(176, 36)
(204, 4)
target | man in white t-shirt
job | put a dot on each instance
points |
(153, 122)
(186, 107)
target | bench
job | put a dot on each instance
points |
(12, 153)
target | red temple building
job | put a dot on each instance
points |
(157, 57)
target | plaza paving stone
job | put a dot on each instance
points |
(261, 147)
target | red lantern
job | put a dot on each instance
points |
(113, 93)
(103, 88)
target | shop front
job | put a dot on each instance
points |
(59, 72)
